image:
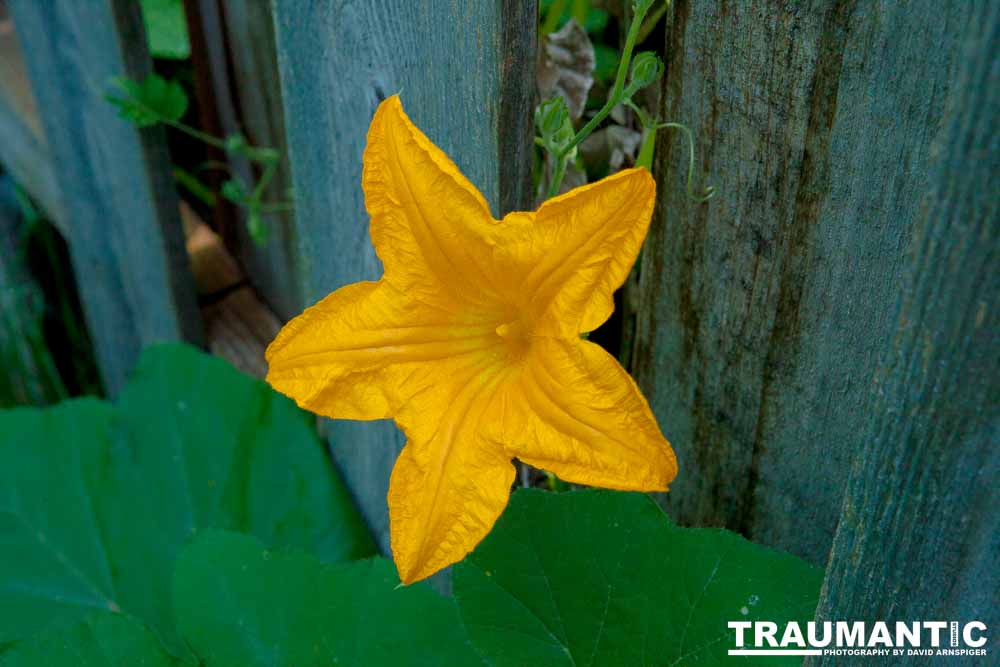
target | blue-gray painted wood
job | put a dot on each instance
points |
(22, 144)
(274, 268)
(239, 92)
(119, 207)
(762, 314)
(920, 533)
(26, 157)
(464, 73)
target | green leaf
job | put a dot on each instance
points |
(150, 101)
(233, 190)
(240, 605)
(556, 12)
(604, 578)
(98, 640)
(236, 142)
(96, 500)
(166, 29)
(259, 230)
(596, 21)
(605, 63)
(128, 107)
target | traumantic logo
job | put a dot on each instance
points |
(935, 638)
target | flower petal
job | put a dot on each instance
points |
(429, 224)
(576, 250)
(344, 356)
(575, 412)
(449, 485)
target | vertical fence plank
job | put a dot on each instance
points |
(461, 70)
(22, 143)
(920, 533)
(242, 87)
(763, 313)
(273, 268)
(119, 204)
(515, 123)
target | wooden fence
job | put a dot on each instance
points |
(819, 341)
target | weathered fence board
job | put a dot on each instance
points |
(920, 533)
(762, 314)
(119, 204)
(238, 326)
(464, 71)
(240, 92)
(273, 268)
(22, 143)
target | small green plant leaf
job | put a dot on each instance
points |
(96, 500)
(240, 605)
(260, 231)
(647, 68)
(128, 108)
(234, 190)
(151, 101)
(605, 63)
(236, 142)
(553, 122)
(558, 12)
(98, 640)
(604, 578)
(166, 29)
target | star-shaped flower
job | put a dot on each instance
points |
(471, 341)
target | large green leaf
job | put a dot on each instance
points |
(603, 578)
(96, 500)
(240, 605)
(102, 639)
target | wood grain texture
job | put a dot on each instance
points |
(22, 143)
(238, 325)
(274, 268)
(920, 533)
(762, 313)
(119, 204)
(214, 108)
(239, 92)
(516, 126)
(457, 66)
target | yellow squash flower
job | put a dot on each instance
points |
(471, 342)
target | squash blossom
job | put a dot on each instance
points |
(471, 341)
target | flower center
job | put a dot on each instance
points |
(515, 334)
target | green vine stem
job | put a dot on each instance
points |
(646, 152)
(619, 93)
(233, 189)
(560, 141)
(558, 172)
